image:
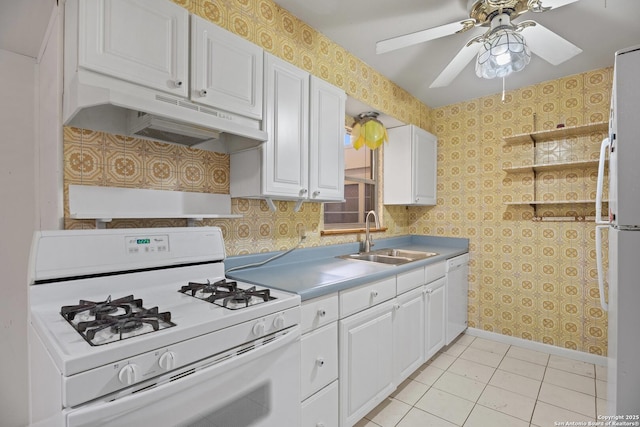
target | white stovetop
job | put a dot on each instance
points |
(193, 317)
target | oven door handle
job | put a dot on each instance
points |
(171, 390)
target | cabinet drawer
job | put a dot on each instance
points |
(319, 360)
(319, 312)
(435, 271)
(365, 296)
(321, 409)
(410, 280)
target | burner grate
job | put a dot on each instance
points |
(209, 288)
(94, 308)
(114, 320)
(227, 294)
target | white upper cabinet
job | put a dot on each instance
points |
(410, 167)
(326, 141)
(142, 41)
(226, 70)
(287, 123)
(303, 158)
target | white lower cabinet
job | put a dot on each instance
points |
(408, 333)
(386, 330)
(321, 409)
(319, 362)
(366, 361)
(434, 317)
(319, 359)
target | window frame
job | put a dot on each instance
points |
(358, 227)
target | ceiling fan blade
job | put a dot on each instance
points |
(548, 45)
(553, 4)
(422, 36)
(455, 67)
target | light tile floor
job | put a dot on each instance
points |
(475, 382)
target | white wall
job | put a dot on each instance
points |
(49, 147)
(17, 223)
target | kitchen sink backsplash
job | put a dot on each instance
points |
(103, 159)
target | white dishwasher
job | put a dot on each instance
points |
(457, 295)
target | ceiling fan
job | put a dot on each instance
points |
(502, 48)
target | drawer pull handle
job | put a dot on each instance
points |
(320, 362)
(374, 294)
(320, 425)
(396, 307)
(322, 312)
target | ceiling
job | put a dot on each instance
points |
(598, 27)
(23, 24)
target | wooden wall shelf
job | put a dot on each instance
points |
(552, 166)
(555, 134)
(583, 137)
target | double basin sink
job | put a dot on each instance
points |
(390, 256)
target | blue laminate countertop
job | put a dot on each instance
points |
(314, 272)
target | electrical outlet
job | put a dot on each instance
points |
(302, 231)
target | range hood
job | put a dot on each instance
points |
(102, 103)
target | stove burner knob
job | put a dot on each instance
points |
(278, 322)
(128, 374)
(259, 328)
(167, 360)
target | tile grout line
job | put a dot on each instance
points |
(475, 403)
(485, 387)
(539, 389)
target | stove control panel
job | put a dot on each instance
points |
(147, 244)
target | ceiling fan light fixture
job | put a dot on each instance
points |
(503, 52)
(368, 130)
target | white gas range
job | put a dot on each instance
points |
(135, 325)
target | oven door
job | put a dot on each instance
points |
(257, 384)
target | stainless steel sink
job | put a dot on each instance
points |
(405, 253)
(390, 256)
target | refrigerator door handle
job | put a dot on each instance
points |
(603, 302)
(600, 183)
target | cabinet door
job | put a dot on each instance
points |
(410, 161)
(366, 361)
(286, 118)
(434, 317)
(226, 70)
(319, 360)
(457, 289)
(321, 409)
(142, 41)
(408, 333)
(326, 141)
(425, 148)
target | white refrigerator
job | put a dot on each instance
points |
(623, 226)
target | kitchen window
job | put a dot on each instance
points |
(360, 189)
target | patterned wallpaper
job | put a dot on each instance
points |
(529, 279)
